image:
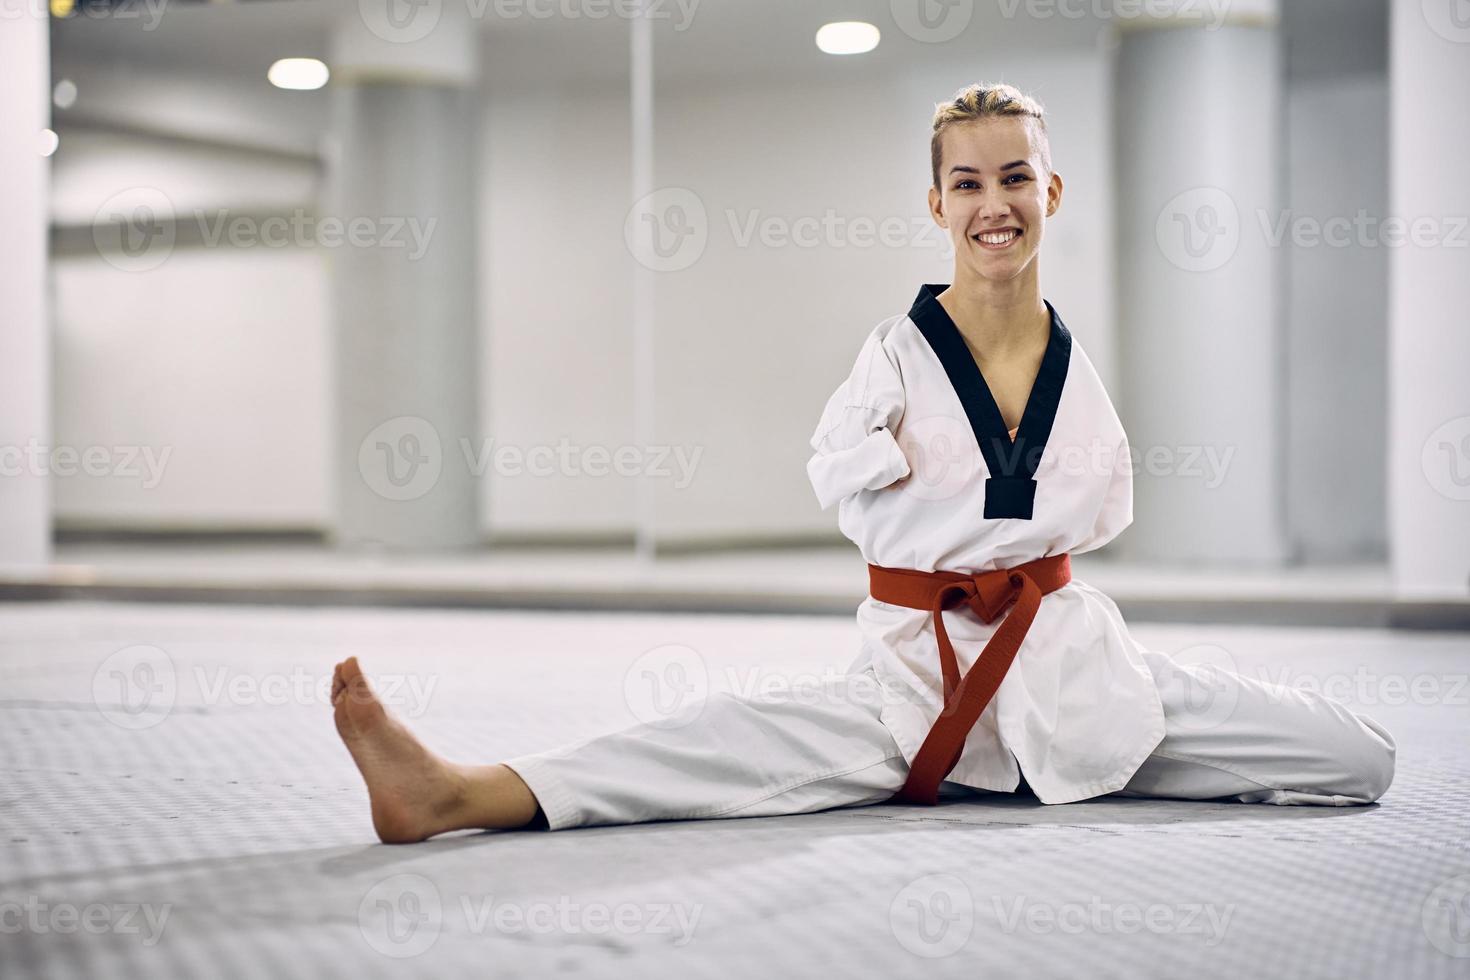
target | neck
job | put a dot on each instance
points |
(998, 319)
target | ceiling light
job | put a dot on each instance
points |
(65, 94)
(847, 37)
(302, 74)
(49, 142)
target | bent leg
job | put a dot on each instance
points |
(1233, 736)
(809, 749)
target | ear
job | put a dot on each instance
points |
(936, 208)
(1054, 194)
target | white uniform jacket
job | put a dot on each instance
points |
(914, 451)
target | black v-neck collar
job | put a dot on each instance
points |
(1010, 490)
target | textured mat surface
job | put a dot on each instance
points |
(175, 803)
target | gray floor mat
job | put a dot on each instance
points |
(229, 835)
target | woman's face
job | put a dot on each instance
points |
(991, 182)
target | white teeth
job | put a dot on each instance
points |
(998, 238)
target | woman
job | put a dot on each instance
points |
(971, 450)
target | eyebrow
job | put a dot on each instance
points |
(972, 170)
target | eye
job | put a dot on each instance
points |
(962, 183)
(1018, 177)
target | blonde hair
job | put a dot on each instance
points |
(984, 100)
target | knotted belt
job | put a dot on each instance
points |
(988, 594)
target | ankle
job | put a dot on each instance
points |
(497, 798)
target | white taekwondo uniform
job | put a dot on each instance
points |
(913, 450)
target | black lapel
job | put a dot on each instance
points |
(1010, 491)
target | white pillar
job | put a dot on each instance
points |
(1197, 162)
(406, 359)
(25, 382)
(1428, 450)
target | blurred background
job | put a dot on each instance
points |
(539, 301)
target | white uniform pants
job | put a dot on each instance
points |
(794, 753)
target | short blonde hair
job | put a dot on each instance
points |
(984, 100)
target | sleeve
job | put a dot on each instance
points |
(854, 443)
(1116, 512)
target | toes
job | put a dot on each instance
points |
(360, 692)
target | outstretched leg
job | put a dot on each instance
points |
(1232, 736)
(415, 793)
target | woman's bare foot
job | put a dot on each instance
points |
(414, 793)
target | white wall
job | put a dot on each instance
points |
(221, 353)
(25, 417)
(210, 361)
(1336, 331)
(751, 339)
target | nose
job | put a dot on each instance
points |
(993, 206)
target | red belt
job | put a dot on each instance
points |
(988, 594)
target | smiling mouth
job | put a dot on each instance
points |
(996, 239)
